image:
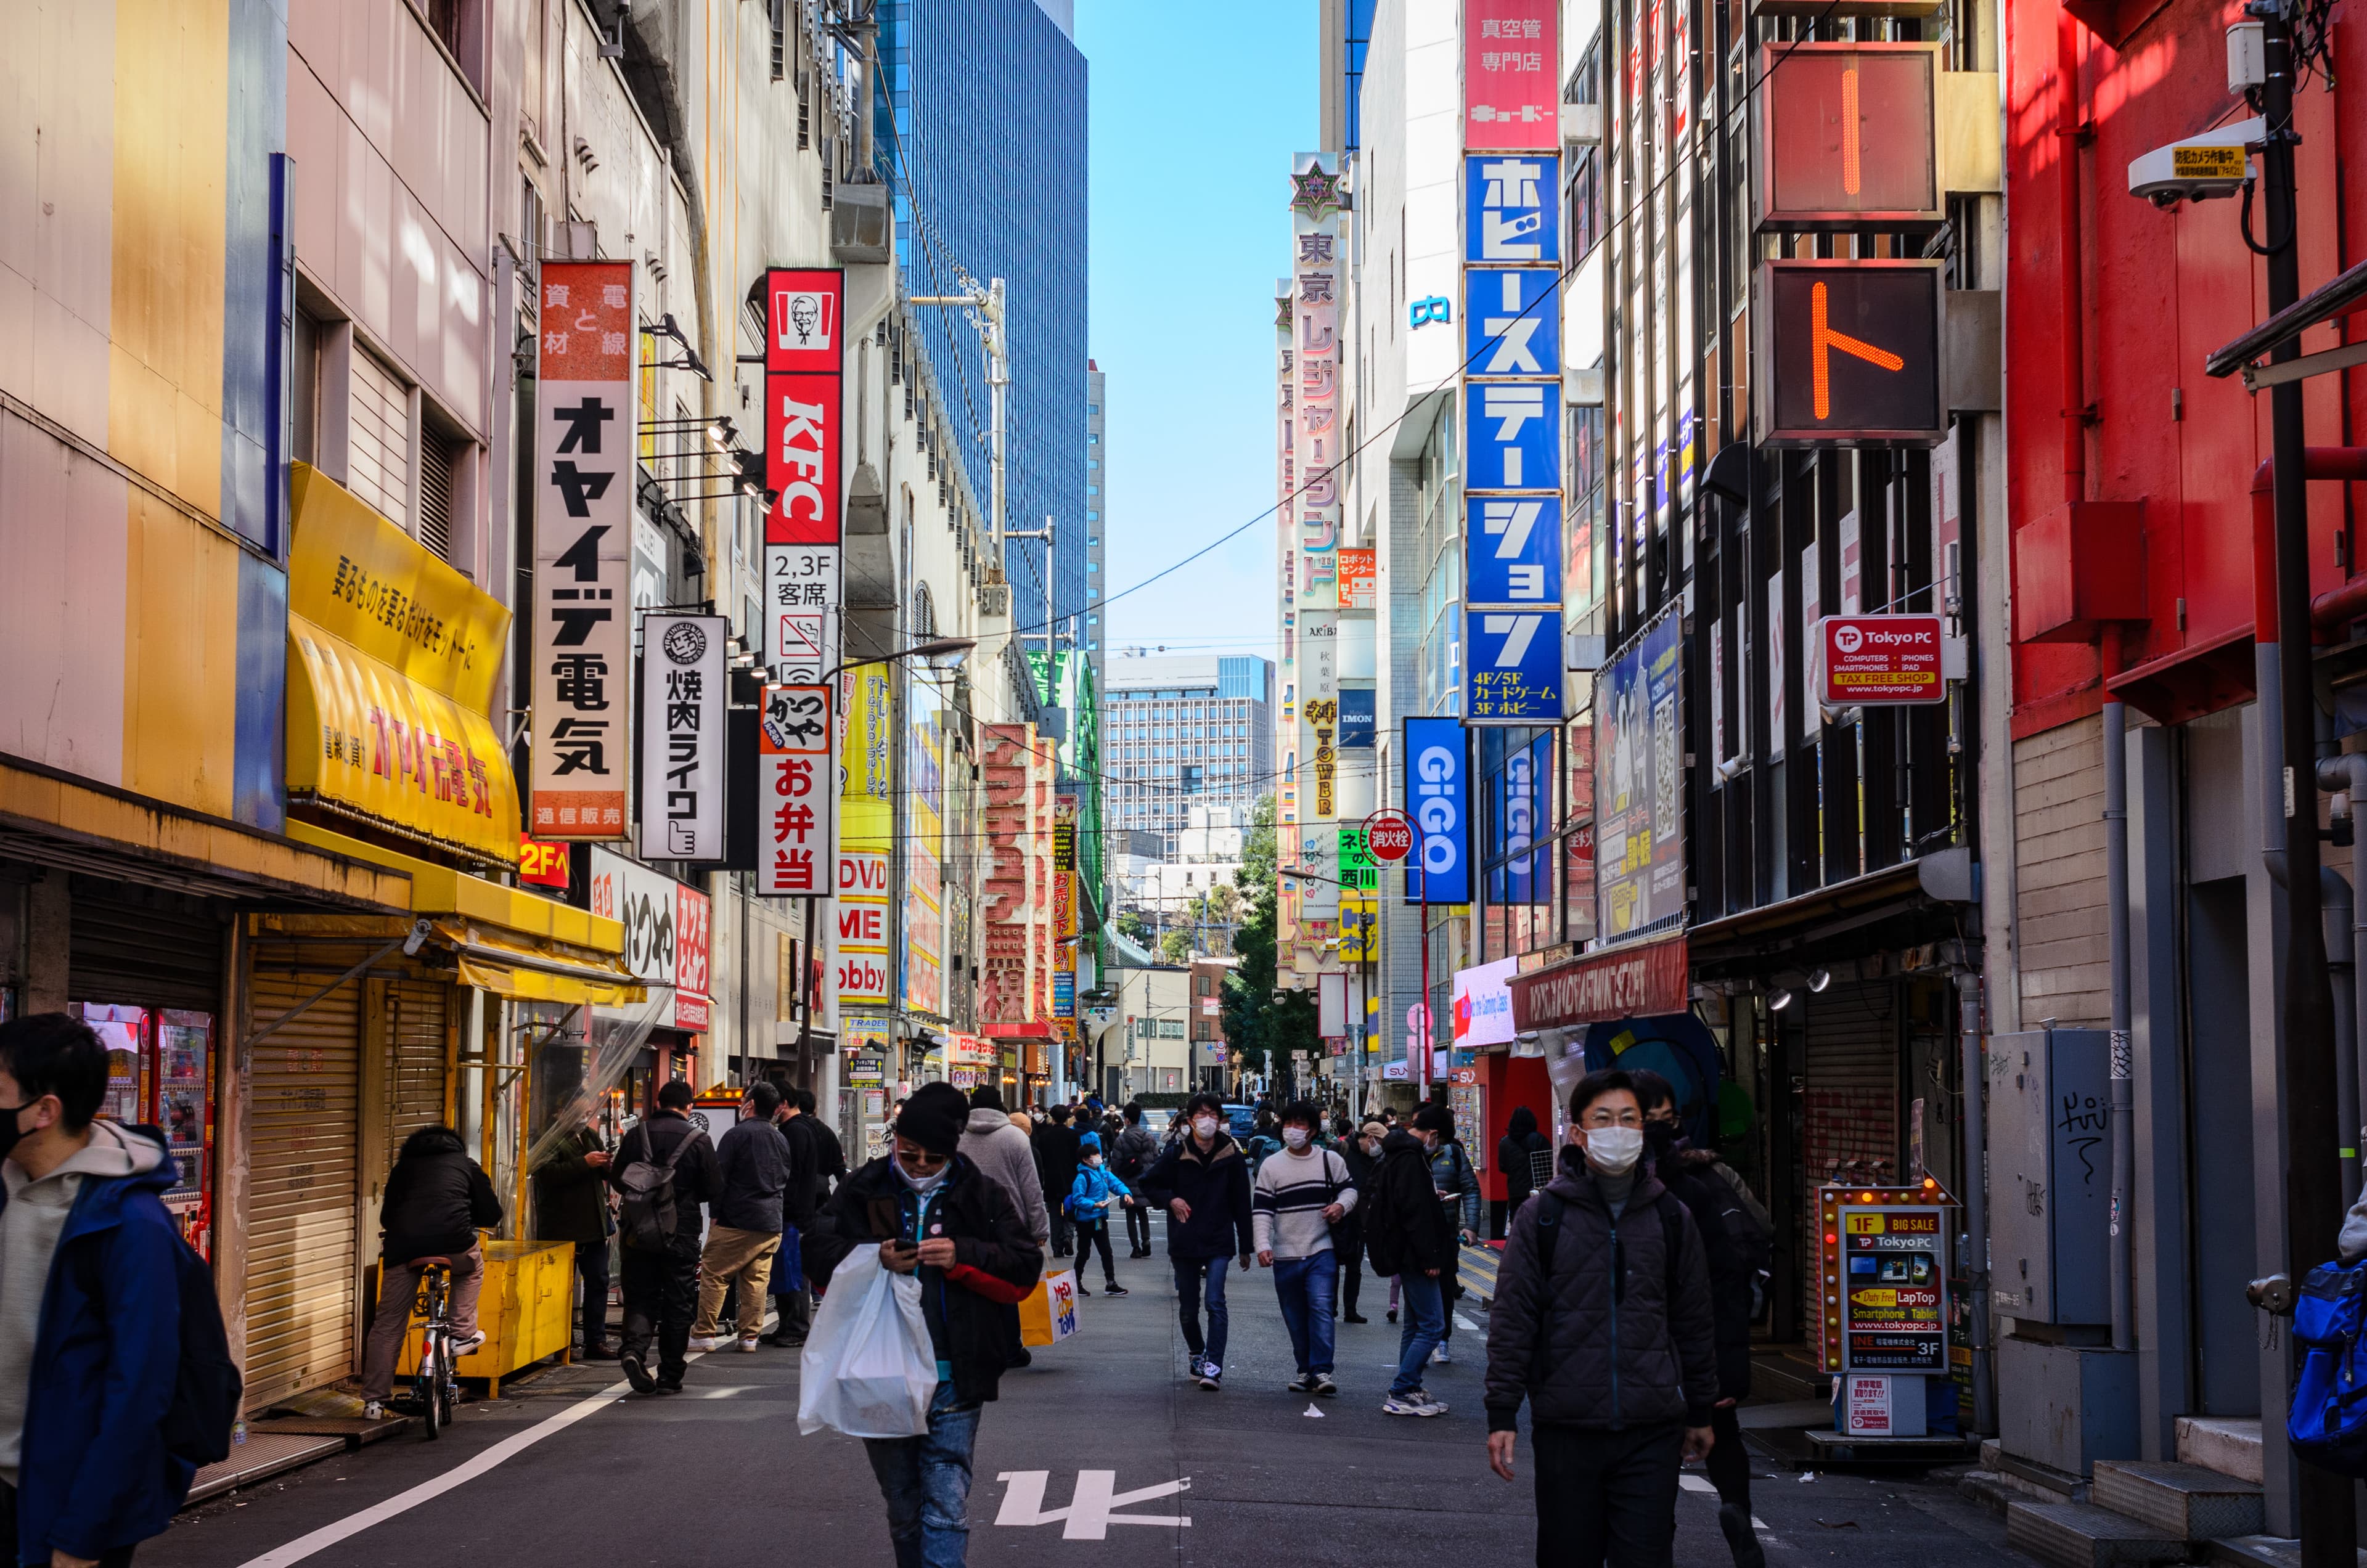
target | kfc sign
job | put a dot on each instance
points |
(1880, 660)
(804, 350)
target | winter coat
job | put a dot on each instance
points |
(1348, 1235)
(436, 1198)
(1134, 1151)
(1521, 1139)
(1602, 1343)
(1094, 1189)
(570, 1199)
(830, 1156)
(1002, 1151)
(1452, 1172)
(1738, 1243)
(753, 1161)
(1058, 1152)
(93, 1472)
(1215, 1186)
(1407, 1229)
(801, 1186)
(696, 1178)
(996, 1261)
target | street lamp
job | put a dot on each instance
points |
(938, 653)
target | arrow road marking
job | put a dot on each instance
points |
(1088, 1516)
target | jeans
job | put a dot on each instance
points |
(1304, 1286)
(661, 1298)
(398, 1293)
(735, 1258)
(1138, 1228)
(925, 1480)
(1197, 1279)
(1424, 1327)
(1605, 1496)
(592, 1271)
(1091, 1234)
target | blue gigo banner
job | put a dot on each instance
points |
(1512, 670)
(1437, 793)
(1513, 549)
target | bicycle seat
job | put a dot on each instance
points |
(430, 1263)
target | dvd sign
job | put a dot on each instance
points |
(1875, 659)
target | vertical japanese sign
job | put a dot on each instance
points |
(797, 793)
(805, 353)
(1511, 75)
(684, 695)
(924, 913)
(1318, 274)
(582, 635)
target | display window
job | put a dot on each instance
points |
(160, 1073)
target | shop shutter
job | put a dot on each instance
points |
(1851, 1112)
(416, 1016)
(302, 1247)
(143, 946)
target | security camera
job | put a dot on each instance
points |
(2216, 163)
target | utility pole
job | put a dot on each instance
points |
(2325, 1521)
(984, 308)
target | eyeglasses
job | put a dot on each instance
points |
(921, 1159)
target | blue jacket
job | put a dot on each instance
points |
(94, 1474)
(1096, 1185)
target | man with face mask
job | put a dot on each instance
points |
(1408, 1232)
(1203, 1183)
(1607, 1332)
(936, 1215)
(1297, 1196)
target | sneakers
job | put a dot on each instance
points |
(636, 1374)
(1393, 1314)
(1303, 1383)
(467, 1343)
(1324, 1386)
(1415, 1402)
(373, 1411)
(1115, 1288)
(1080, 1289)
(709, 1342)
(1440, 1355)
(1359, 1317)
(750, 1343)
(1211, 1376)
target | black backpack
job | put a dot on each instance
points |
(646, 1214)
(206, 1382)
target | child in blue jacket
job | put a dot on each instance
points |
(1088, 1205)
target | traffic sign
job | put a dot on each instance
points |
(1388, 836)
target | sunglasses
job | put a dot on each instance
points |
(921, 1159)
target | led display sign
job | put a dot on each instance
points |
(1850, 354)
(1848, 136)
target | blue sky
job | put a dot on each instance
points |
(1195, 111)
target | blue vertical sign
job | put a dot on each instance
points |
(1512, 208)
(1512, 321)
(1438, 797)
(1513, 549)
(1515, 663)
(1511, 435)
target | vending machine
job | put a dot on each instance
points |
(160, 1073)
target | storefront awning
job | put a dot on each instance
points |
(441, 890)
(523, 971)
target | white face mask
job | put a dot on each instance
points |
(1205, 1126)
(1294, 1136)
(928, 1183)
(1093, 1160)
(1614, 1150)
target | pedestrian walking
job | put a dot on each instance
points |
(570, 1204)
(935, 1213)
(1203, 1183)
(1131, 1155)
(1088, 1199)
(753, 1163)
(98, 1295)
(1408, 1234)
(664, 1168)
(801, 1186)
(1361, 1152)
(1607, 1331)
(1737, 1242)
(1057, 1153)
(1297, 1199)
(1521, 1139)
(1263, 1141)
(994, 1142)
(436, 1200)
(830, 1155)
(1456, 1182)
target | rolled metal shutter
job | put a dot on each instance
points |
(1851, 1122)
(302, 1224)
(143, 946)
(416, 1020)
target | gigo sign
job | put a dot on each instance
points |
(1880, 660)
(1437, 784)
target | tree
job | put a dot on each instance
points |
(1255, 1022)
(1132, 926)
(1175, 947)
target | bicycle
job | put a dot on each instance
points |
(435, 1386)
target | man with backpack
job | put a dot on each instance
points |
(115, 1378)
(753, 1164)
(1408, 1234)
(1456, 1182)
(1607, 1331)
(1135, 1148)
(664, 1170)
(436, 1202)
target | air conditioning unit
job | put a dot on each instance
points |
(862, 224)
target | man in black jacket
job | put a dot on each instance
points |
(571, 1197)
(792, 1297)
(754, 1162)
(1130, 1155)
(936, 1215)
(661, 1283)
(1203, 1183)
(830, 1155)
(1606, 1330)
(436, 1202)
(1058, 1151)
(1408, 1232)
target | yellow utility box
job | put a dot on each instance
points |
(526, 1311)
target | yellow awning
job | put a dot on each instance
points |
(522, 970)
(438, 890)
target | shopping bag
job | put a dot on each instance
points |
(1049, 1314)
(867, 1370)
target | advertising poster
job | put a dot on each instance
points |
(925, 909)
(796, 808)
(1638, 784)
(1511, 75)
(1438, 792)
(684, 695)
(859, 963)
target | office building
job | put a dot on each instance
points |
(1096, 511)
(1181, 732)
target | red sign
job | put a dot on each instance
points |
(1388, 835)
(1850, 135)
(804, 350)
(798, 805)
(1625, 981)
(1880, 659)
(1512, 76)
(542, 864)
(693, 920)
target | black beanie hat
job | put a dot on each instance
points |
(935, 1117)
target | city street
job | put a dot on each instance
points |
(568, 1469)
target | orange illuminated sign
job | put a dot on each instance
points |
(1848, 136)
(1851, 353)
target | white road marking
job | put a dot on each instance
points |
(1466, 1324)
(1694, 1482)
(1088, 1514)
(501, 1453)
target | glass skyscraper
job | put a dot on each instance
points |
(981, 132)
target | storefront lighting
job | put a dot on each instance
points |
(1781, 1000)
(1819, 979)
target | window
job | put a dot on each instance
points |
(378, 456)
(305, 393)
(780, 39)
(437, 459)
(1092, 437)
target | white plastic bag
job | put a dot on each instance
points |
(867, 1370)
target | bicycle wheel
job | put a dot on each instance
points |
(448, 1380)
(431, 1382)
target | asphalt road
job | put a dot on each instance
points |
(566, 1469)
